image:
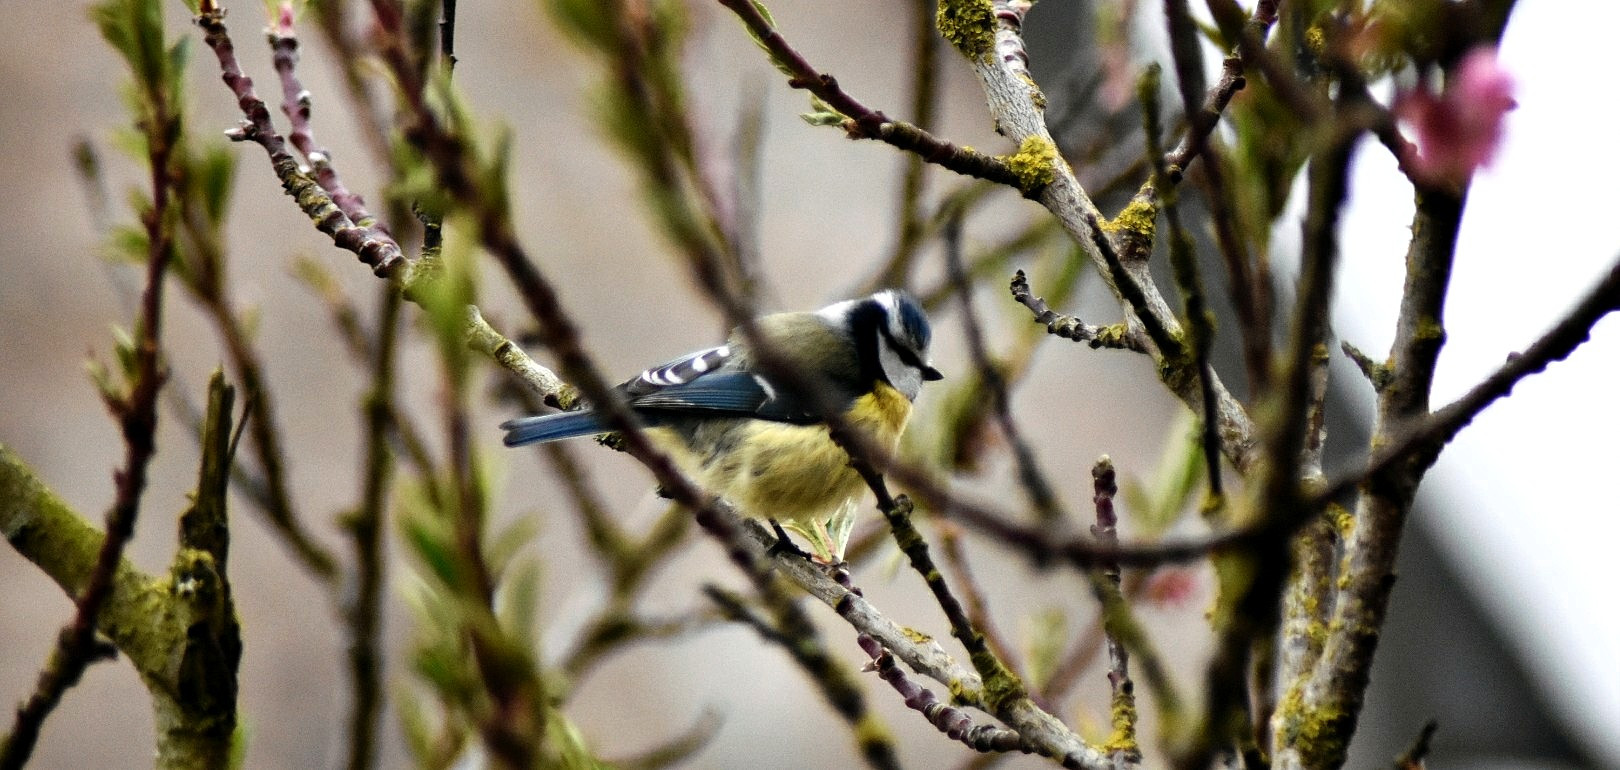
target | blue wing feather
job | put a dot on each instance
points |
(698, 384)
(725, 393)
(551, 427)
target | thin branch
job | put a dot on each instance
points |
(1253, 581)
(1070, 327)
(924, 90)
(1161, 329)
(370, 243)
(990, 260)
(1202, 117)
(950, 538)
(137, 419)
(363, 612)
(951, 721)
(296, 105)
(1412, 758)
(1121, 746)
(863, 122)
(1041, 496)
(373, 245)
(1199, 320)
(1016, 106)
(835, 684)
(1424, 441)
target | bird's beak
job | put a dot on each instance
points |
(931, 374)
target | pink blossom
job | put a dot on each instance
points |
(1459, 130)
(284, 20)
(1172, 587)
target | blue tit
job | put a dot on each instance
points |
(767, 453)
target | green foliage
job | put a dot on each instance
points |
(446, 296)
(823, 114)
(207, 179)
(781, 66)
(589, 22)
(134, 28)
(1160, 502)
(1261, 168)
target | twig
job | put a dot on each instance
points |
(267, 443)
(1412, 758)
(1037, 233)
(1423, 441)
(1121, 746)
(1035, 484)
(950, 538)
(864, 122)
(364, 611)
(371, 244)
(1203, 117)
(296, 105)
(1070, 327)
(358, 339)
(137, 419)
(835, 684)
(924, 88)
(610, 632)
(1165, 337)
(1199, 320)
(951, 721)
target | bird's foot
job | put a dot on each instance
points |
(785, 545)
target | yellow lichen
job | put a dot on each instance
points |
(1315, 41)
(1035, 163)
(1001, 685)
(1429, 329)
(1138, 218)
(1123, 715)
(1317, 734)
(915, 635)
(969, 25)
(1112, 335)
(1035, 96)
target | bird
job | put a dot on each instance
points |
(748, 439)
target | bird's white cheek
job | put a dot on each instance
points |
(906, 379)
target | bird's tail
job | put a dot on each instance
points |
(551, 427)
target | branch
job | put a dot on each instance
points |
(296, 105)
(835, 684)
(1424, 441)
(1121, 746)
(373, 245)
(863, 122)
(1070, 327)
(363, 612)
(179, 631)
(951, 721)
(1202, 117)
(992, 42)
(1041, 496)
(924, 101)
(137, 418)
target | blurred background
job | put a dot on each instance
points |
(1502, 625)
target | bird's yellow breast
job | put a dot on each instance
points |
(796, 473)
